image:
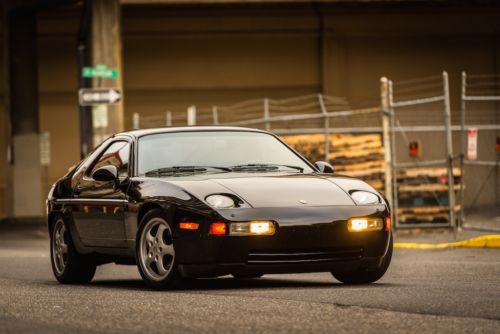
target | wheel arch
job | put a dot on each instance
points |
(147, 207)
(51, 220)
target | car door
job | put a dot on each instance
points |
(98, 212)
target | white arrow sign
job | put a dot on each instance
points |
(93, 96)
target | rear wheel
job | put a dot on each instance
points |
(155, 252)
(68, 266)
(366, 276)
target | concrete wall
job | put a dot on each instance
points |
(178, 56)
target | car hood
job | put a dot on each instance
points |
(268, 189)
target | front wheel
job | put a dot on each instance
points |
(367, 276)
(155, 252)
(68, 266)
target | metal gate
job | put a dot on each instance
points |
(367, 142)
(423, 179)
(480, 144)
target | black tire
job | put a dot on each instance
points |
(366, 276)
(68, 266)
(247, 276)
(151, 273)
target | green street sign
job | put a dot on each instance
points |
(100, 71)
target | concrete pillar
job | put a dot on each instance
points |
(107, 50)
(24, 188)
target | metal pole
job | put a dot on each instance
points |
(136, 121)
(266, 114)
(462, 149)
(168, 118)
(449, 150)
(326, 126)
(85, 113)
(395, 217)
(384, 108)
(215, 115)
(191, 115)
(106, 50)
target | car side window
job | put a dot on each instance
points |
(117, 154)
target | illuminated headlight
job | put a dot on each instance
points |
(365, 197)
(257, 227)
(364, 224)
(220, 201)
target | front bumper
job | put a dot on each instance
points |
(221, 269)
(306, 240)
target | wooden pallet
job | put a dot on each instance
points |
(426, 209)
(362, 156)
(359, 156)
(426, 187)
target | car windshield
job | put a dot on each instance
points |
(215, 150)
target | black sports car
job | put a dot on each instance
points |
(210, 201)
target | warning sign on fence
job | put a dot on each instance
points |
(472, 144)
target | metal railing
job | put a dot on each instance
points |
(411, 113)
(480, 147)
(410, 109)
(308, 114)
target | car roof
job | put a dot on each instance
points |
(145, 132)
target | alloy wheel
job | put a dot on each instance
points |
(157, 252)
(60, 252)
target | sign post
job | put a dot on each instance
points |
(94, 96)
(45, 159)
(100, 71)
(472, 144)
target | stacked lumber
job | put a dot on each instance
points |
(360, 156)
(422, 192)
(312, 147)
(423, 195)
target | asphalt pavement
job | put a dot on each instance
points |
(424, 291)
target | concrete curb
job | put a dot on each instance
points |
(485, 241)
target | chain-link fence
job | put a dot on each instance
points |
(480, 143)
(423, 178)
(320, 127)
(416, 169)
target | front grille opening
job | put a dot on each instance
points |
(295, 256)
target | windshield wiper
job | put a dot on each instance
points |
(264, 167)
(183, 169)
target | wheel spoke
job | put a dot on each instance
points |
(149, 237)
(159, 233)
(159, 265)
(149, 260)
(64, 249)
(60, 260)
(167, 250)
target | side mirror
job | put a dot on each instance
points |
(106, 173)
(324, 167)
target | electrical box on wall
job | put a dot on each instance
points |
(415, 148)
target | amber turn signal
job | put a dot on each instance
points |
(217, 228)
(189, 226)
(388, 223)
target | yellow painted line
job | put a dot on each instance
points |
(485, 241)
